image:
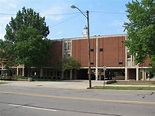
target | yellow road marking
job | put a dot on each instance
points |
(79, 98)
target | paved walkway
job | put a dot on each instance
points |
(70, 84)
(74, 84)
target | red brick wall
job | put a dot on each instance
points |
(56, 52)
(113, 51)
(145, 63)
(80, 51)
(93, 53)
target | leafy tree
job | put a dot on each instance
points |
(4, 54)
(70, 64)
(26, 39)
(152, 63)
(141, 29)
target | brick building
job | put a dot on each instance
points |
(108, 51)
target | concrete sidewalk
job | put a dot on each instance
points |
(68, 84)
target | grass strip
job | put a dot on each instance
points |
(134, 83)
(3, 82)
(123, 88)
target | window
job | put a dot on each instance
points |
(69, 45)
(65, 46)
(92, 50)
(69, 55)
(128, 54)
(92, 63)
(101, 49)
(120, 62)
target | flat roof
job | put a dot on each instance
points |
(91, 37)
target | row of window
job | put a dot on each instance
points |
(92, 63)
(101, 50)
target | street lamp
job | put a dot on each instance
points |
(88, 35)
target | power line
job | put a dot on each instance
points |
(108, 12)
(64, 21)
(44, 14)
(69, 13)
(59, 14)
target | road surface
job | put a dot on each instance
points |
(42, 101)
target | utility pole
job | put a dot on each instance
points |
(88, 35)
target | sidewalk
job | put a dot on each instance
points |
(68, 84)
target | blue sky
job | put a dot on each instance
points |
(106, 16)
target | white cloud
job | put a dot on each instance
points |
(12, 5)
(4, 20)
(54, 12)
(7, 7)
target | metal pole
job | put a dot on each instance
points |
(88, 35)
(104, 79)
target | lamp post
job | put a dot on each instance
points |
(88, 35)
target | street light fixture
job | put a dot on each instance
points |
(88, 35)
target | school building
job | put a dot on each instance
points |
(105, 51)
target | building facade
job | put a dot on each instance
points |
(105, 51)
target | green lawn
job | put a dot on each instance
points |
(3, 82)
(123, 88)
(134, 83)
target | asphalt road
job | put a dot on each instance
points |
(43, 101)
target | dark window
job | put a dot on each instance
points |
(92, 50)
(128, 55)
(92, 63)
(120, 62)
(101, 49)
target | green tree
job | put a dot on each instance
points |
(141, 29)
(4, 54)
(70, 64)
(26, 39)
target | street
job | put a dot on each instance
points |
(43, 101)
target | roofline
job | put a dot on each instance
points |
(91, 37)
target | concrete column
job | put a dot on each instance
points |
(71, 76)
(2, 66)
(22, 71)
(17, 71)
(96, 70)
(144, 74)
(96, 73)
(63, 49)
(126, 74)
(137, 74)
